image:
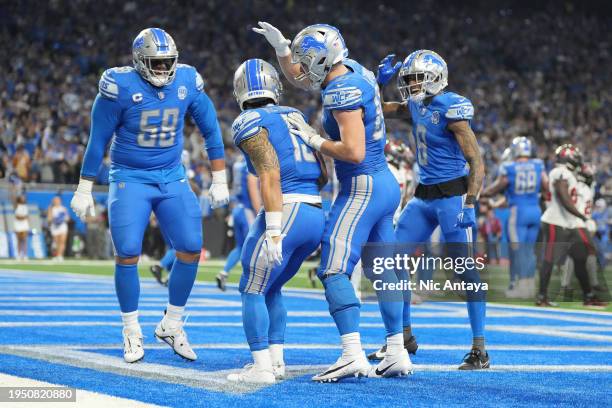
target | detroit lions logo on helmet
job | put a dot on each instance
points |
(310, 43)
(430, 59)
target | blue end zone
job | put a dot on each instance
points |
(65, 329)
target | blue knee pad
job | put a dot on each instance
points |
(343, 303)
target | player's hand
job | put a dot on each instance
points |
(218, 192)
(274, 37)
(82, 202)
(386, 69)
(301, 129)
(466, 218)
(272, 249)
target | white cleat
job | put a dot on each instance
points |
(396, 365)
(279, 371)
(176, 338)
(344, 367)
(132, 347)
(253, 374)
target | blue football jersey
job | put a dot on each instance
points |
(439, 155)
(147, 123)
(299, 167)
(356, 90)
(240, 184)
(524, 181)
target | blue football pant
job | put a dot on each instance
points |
(178, 213)
(416, 224)
(523, 228)
(242, 218)
(362, 212)
(263, 312)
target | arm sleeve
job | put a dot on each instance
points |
(105, 117)
(204, 114)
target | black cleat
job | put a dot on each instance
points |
(157, 271)
(410, 345)
(221, 280)
(543, 302)
(475, 360)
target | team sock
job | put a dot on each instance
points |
(278, 317)
(351, 345)
(255, 321)
(181, 281)
(168, 259)
(130, 322)
(127, 287)
(276, 354)
(395, 344)
(478, 343)
(407, 332)
(262, 359)
(232, 259)
(174, 315)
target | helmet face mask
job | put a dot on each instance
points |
(256, 80)
(317, 48)
(155, 56)
(423, 73)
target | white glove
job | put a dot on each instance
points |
(591, 226)
(301, 129)
(275, 38)
(218, 192)
(82, 202)
(272, 247)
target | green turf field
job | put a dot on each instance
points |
(209, 269)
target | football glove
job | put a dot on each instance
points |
(82, 202)
(386, 69)
(466, 218)
(301, 129)
(272, 247)
(274, 37)
(218, 192)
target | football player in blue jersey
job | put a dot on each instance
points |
(369, 193)
(451, 173)
(144, 108)
(522, 179)
(290, 226)
(246, 194)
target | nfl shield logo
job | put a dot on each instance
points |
(182, 92)
(435, 117)
(161, 95)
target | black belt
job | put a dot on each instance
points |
(451, 188)
(318, 205)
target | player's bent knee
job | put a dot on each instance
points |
(188, 257)
(339, 293)
(127, 260)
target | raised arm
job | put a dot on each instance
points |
(386, 71)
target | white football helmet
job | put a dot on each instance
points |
(317, 48)
(521, 147)
(155, 56)
(256, 79)
(428, 70)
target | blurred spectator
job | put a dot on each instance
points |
(21, 226)
(57, 217)
(491, 231)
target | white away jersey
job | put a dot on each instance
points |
(584, 204)
(556, 214)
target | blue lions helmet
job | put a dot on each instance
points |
(155, 56)
(428, 73)
(317, 48)
(521, 147)
(256, 79)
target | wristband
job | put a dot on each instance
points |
(316, 142)
(84, 186)
(470, 200)
(219, 177)
(274, 222)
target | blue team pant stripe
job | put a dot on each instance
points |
(353, 226)
(339, 223)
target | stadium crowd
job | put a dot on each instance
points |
(536, 72)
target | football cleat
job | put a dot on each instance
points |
(397, 365)
(475, 360)
(176, 338)
(132, 347)
(344, 367)
(221, 279)
(253, 374)
(279, 371)
(410, 345)
(543, 302)
(156, 271)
